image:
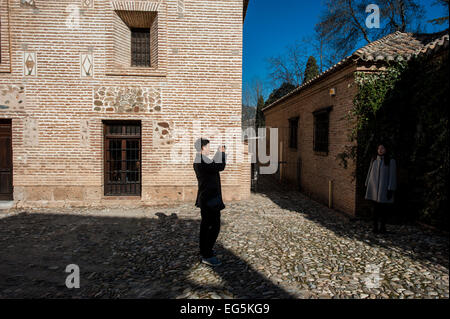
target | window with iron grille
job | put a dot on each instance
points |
(122, 158)
(293, 132)
(140, 47)
(321, 130)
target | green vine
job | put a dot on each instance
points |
(406, 105)
(373, 89)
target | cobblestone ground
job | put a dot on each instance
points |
(278, 244)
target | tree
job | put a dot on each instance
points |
(259, 120)
(441, 20)
(322, 49)
(248, 116)
(253, 97)
(342, 24)
(288, 67)
(311, 70)
(284, 89)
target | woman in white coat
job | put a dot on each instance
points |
(381, 183)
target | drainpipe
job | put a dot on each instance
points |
(330, 193)
(281, 161)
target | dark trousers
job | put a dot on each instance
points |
(380, 212)
(209, 231)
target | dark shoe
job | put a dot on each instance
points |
(213, 261)
(213, 254)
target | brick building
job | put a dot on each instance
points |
(312, 123)
(93, 93)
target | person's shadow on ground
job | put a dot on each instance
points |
(118, 258)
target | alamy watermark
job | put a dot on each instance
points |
(73, 279)
(261, 148)
(373, 277)
(73, 18)
(373, 19)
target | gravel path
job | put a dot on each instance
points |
(276, 245)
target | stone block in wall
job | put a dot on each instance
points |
(84, 133)
(30, 131)
(162, 133)
(93, 193)
(19, 193)
(231, 193)
(190, 193)
(12, 97)
(68, 193)
(162, 194)
(38, 193)
(28, 3)
(127, 99)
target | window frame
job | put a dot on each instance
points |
(5, 38)
(293, 138)
(118, 53)
(321, 131)
(6, 135)
(135, 61)
(123, 137)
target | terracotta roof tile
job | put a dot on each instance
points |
(400, 46)
(396, 46)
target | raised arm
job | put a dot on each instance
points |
(205, 165)
(220, 160)
(216, 165)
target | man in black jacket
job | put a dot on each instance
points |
(209, 198)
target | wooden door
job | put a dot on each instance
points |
(6, 172)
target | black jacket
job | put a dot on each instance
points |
(209, 188)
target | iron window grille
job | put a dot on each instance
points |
(321, 130)
(293, 132)
(140, 47)
(122, 159)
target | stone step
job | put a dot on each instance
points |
(5, 206)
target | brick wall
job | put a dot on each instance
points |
(318, 169)
(57, 128)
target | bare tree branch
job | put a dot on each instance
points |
(356, 23)
(342, 26)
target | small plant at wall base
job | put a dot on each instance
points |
(406, 105)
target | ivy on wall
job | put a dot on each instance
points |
(406, 105)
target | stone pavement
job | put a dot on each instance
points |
(277, 244)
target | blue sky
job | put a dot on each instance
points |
(270, 26)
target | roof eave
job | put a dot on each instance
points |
(359, 56)
(349, 60)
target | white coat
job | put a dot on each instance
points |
(380, 179)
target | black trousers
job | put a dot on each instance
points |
(380, 213)
(209, 231)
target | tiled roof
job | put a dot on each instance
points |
(437, 44)
(400, 46)
(393, 47)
